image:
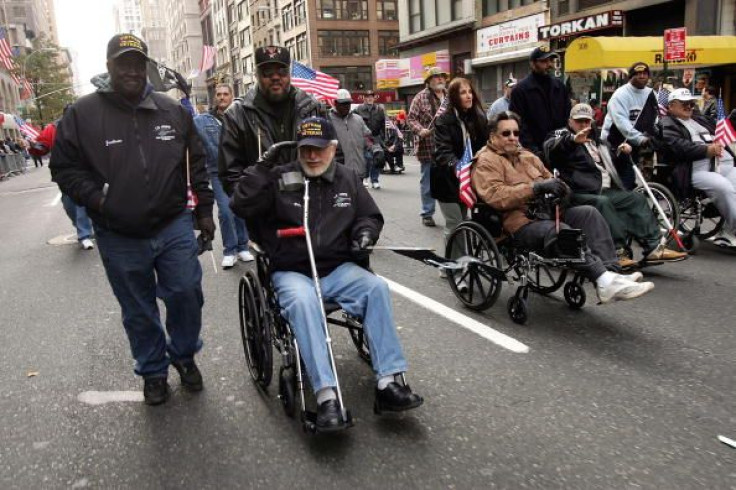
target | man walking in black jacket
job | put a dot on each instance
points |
(123, 153)
(345, 221)
(267, 114)
(542, 101)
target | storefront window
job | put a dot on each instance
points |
(352, 77)
(344, 43)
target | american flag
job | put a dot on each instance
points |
(6, 54)
(25, 128)
(208, 58)
(462, 170)
(390, 126)
(314, 82)
(662, 101)
(725, 133)
(26, 90)
(192, 200)
(440, 110)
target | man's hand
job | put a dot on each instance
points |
(424, 133)
(715, 150)
(556, 187)
(207, 227)
(644, 143)
(624, 148)
(359, 248)
(582, 136)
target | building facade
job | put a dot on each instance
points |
(153, 29)
(127, 16)
(185, 37)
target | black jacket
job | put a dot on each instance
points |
(242, 122)
(140, 152)
(340, 209)
(678, 151)
(543, 103)
(449, 149)
(374, 117)
(574, 162)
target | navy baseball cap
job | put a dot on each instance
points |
(542, 53)
(315, 131)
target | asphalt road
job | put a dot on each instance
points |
(629, 395)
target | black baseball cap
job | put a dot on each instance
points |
(638, 67)
(272, 54)
(315, 131)
(126, 43)
(542, 53)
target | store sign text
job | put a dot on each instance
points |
(590, 23)
(517, 34)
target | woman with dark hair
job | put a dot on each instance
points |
(464, 118)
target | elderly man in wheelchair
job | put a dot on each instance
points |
(345, 223)
(510, 179)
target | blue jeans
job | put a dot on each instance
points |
(234, 234)
(78, 216)
(361, 294)
(140, 270)
(370, 167)
(427, 199)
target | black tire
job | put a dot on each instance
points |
(667, 202)
(709, 222)
(248, 329)
(287, 390)
(483, 287)
(255, 329)
(544, 279)
(575, 295)
(265, 329)
(360, 341)
(517, 309)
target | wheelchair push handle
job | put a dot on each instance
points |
(270, 157)
(291, 232)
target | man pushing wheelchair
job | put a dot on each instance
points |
(344, 223)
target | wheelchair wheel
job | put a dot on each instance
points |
(544, 279)
(666, 201)
(287, 390)
(255, 329)
(359, 340)
(518, 309)
(708, 220)
(476, 287)
(575, 295)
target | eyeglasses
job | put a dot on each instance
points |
(508, 133)
(687, 104)
(268, 72)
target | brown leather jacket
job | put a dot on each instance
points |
(505, 183)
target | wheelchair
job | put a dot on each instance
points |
(489, 259)
(264, 330)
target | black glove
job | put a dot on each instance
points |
(203, 244)
(556, 187)
(359, 248)
(207, 227)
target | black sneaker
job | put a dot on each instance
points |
(428, 221)
(191, 378)
(396, 398)
(155, 390)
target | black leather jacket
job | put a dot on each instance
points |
(243, 121)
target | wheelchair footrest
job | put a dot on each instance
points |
(309, 423)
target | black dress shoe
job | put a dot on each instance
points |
(155, 390)
(329, 417)
(191, 378)
(396, 398)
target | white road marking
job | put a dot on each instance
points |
(466, 322)
(726, 440)
(56, 201)
(101, 397)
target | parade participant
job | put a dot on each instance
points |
(709, 106)
(632, 114)
(267, 114)
(699, 161)
(586, 166)
(345, 231)
(394, 147)
(463, 119)
(508, 177)
(351, 132)
(502, 103)
(424, 109)
(541, 101)
(232, 229)
(374, 116)
(122, 152)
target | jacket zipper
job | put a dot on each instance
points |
(140, 146)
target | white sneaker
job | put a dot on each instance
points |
(376, 185)
(245, 256)
(366, 183)
(229, 261)
(633, 277)
(723, 239)
(622, 289)
(87, 244)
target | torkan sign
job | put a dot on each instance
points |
(614, 18)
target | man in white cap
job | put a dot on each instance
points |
(351, 134)
(698, 160)
(586, 166)
(502, 103)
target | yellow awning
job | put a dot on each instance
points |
(602, 53)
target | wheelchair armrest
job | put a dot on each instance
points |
(255, 248)
(488, 217)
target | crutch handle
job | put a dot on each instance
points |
(290, 232)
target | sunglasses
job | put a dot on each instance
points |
(687, 104)
(268, 72)
(508, 133)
